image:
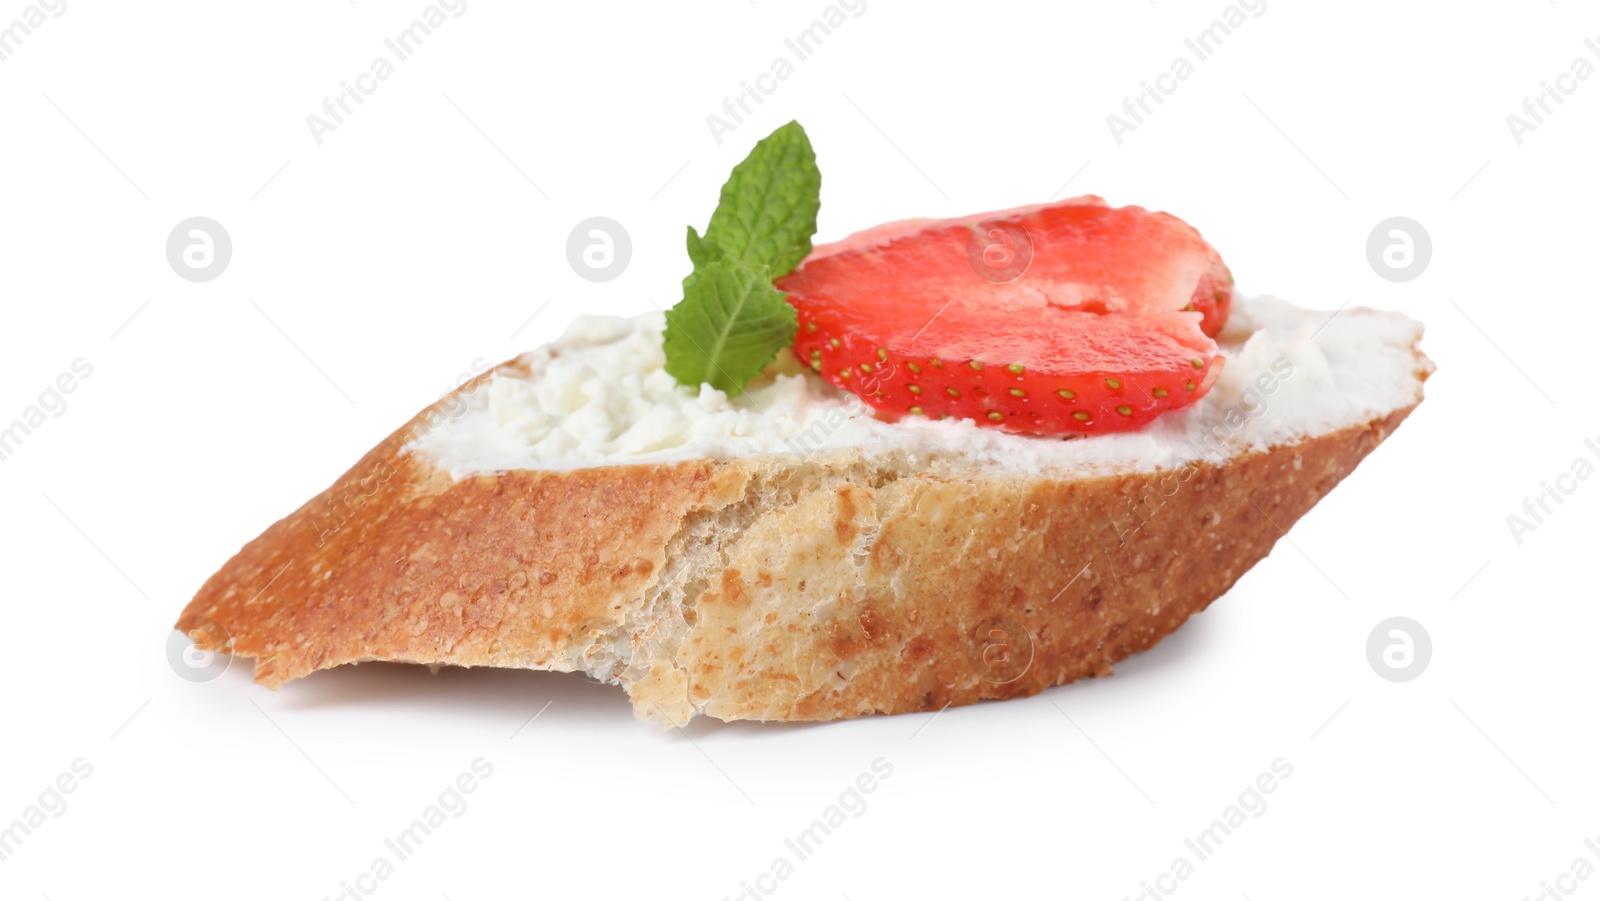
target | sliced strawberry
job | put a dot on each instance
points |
(1037, 371)
(1071, 318)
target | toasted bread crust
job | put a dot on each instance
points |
(767, 589)
(922, 592)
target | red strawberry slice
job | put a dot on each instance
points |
(1072, 318)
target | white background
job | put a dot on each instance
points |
(372, 271)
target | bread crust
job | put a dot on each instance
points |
(764, 589)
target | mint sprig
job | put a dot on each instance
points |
(728, 327)
(768, 209)
(731, 321)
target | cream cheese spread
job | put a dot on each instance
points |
(599, 396)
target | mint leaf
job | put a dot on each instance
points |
(731, 321)
(768, 209)
(730, 324)
(699, 252)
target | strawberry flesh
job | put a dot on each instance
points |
(1102, 322)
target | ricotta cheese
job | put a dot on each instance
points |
(600, 396)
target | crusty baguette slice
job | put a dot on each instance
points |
(777, 587)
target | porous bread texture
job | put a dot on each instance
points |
(851, 589)
(771, 588)
(777, 512)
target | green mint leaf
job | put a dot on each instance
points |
(731, 321)
(768, 210)
(730, 324)
(699, 252)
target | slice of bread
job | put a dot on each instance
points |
(788, 586)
